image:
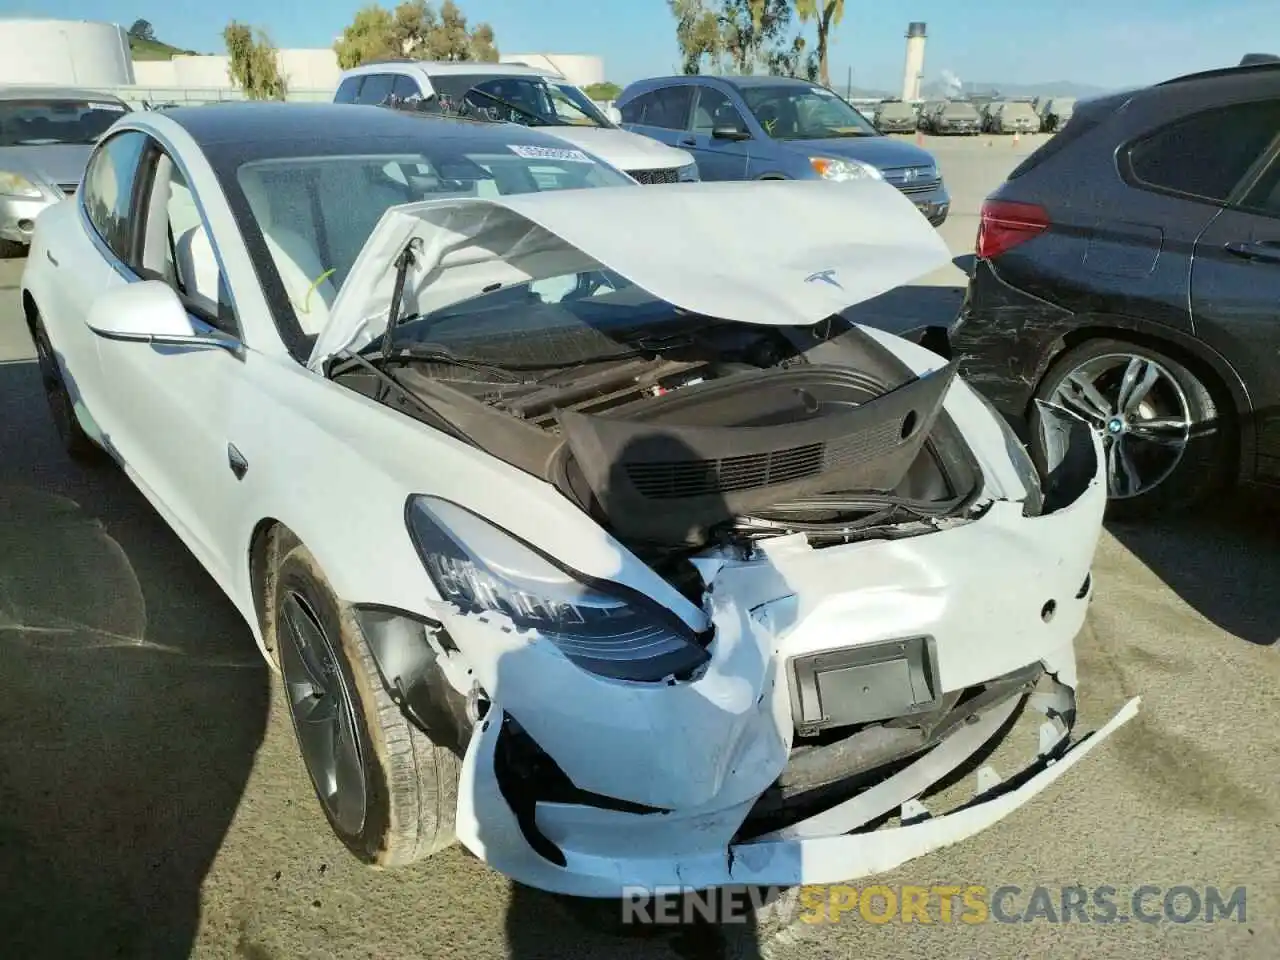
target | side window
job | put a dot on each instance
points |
(108, 190)
(715, 109)
(376, 88)
(670, 108)
(405, 88)
(1207, 154)
(349, 90)
(176, 246)
(633, 112)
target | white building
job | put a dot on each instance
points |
(75, 53)
(577, 68)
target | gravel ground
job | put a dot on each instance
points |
(152, 803)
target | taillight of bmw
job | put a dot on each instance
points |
(1004, 224)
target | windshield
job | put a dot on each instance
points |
(531, 101)
(960, 110)
(1014, 111)
(33, 123)
(795, 112)
(897, 111)
(314, 214)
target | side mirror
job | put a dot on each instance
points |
(149, 311)
(729, 133)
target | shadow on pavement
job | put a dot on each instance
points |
(1222, 561)
(543, 926)
(132, 702)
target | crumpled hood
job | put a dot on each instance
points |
(779, 253)
(623, 149)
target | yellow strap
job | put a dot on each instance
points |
(306, 300)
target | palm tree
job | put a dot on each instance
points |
(827, 13)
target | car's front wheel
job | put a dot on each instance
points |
(389, 793)
(1168, 441)
(74, 440)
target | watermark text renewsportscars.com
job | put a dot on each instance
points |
(940, 904)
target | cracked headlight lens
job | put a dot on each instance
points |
(831, 168)
(602, 627)
(16, 185)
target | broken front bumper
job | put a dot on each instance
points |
(665, 800)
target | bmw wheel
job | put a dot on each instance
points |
(388, 792)
(1168, 442)
(75, 441)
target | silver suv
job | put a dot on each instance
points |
(513, 93)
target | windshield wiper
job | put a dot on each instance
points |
(389, 383)
(433, 353)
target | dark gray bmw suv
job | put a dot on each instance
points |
(1129, 269)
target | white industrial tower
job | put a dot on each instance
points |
(913, 73)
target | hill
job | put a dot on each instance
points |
(140, 49)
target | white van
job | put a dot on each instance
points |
(519, 94)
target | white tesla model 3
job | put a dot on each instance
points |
(580, 524)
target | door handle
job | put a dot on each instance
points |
(52, 259)
(1264, 251)
(688, 142)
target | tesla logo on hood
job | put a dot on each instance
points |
(824, 276)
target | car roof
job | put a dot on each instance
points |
(36, 92)
(441, 68)
(247, 121)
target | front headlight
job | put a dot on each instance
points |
(831, 168)
(16, 185)
(1020, 457)
(602, 627)
(689, 173)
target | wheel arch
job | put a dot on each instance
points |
(1215, 371)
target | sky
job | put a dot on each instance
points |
(1100, 42)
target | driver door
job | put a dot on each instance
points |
(170, 408)
(718, 158)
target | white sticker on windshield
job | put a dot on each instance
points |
(113, 107)
(548, 153)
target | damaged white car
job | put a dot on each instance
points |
(581, 526)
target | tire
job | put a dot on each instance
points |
(409, 784)
(75, 442)
(12, 250)
(1177, 467)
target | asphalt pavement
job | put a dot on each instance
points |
(152, 802)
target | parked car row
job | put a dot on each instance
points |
(623, 556)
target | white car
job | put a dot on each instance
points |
(514, 93)
(580, 525)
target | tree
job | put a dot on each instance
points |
(751, 29)
(414, 29)
(828, 14)
(370, 36)
(142, 30)
(255, 66)
(602, 91)
(747, 34)
(698, 32)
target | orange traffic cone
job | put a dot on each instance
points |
(919, 138)
(1016, 135)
